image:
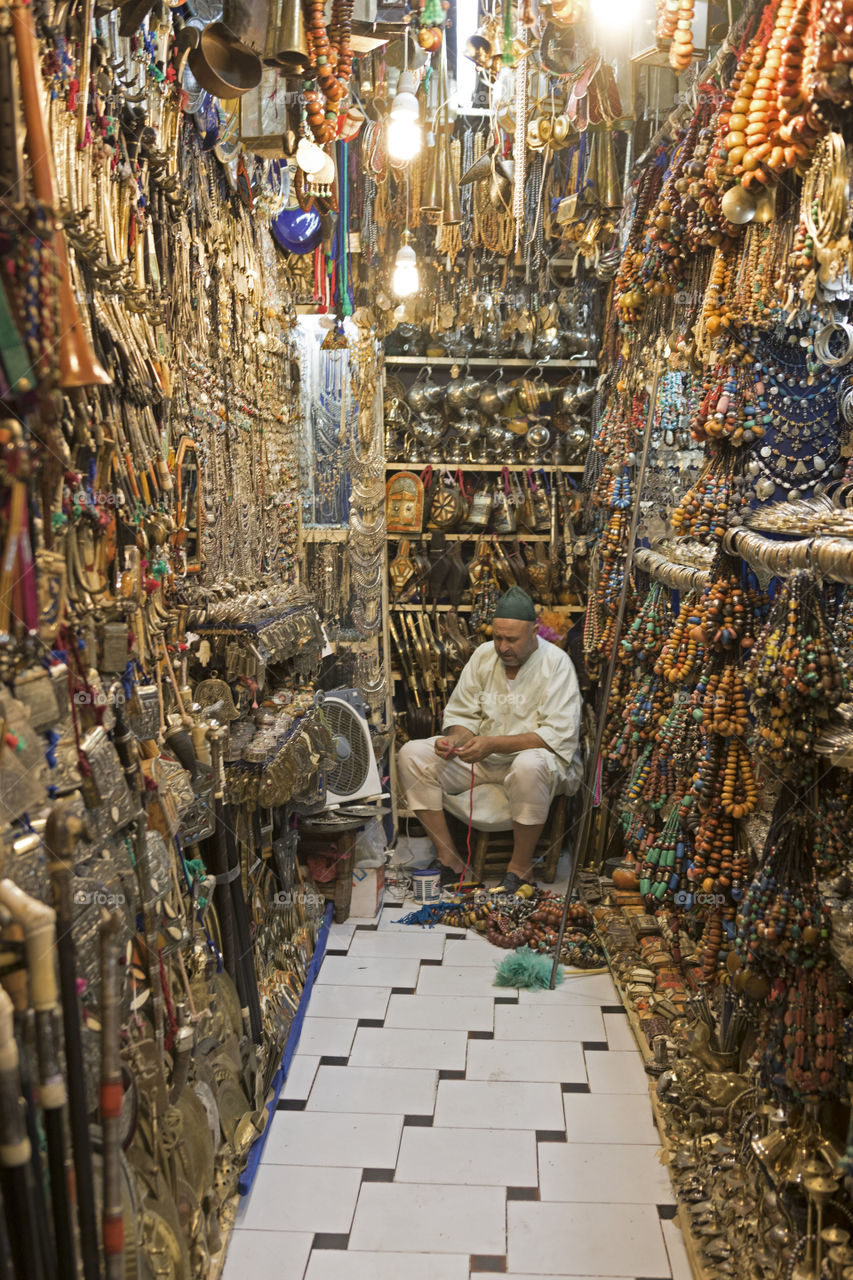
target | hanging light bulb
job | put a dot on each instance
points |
(405, 279)
(404, 130)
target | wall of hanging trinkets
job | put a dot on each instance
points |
(724, 443)
(159, 722)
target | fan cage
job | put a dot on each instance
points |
(348, 776)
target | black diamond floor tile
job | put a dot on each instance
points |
(487, 1262)
(328, 1240)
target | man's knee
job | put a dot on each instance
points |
(416, 758)
(529, 766)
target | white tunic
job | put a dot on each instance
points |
(543, 698)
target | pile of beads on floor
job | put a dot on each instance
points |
(510, 921)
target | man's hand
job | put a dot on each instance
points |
(474, 749)
(446, 748)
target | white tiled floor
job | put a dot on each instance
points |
(403, 1047)
(559, 1021)
(461, 1013)
(616, 1072)
(429, 1219)
(328, 1036)
(478, 1157)
(531, 1060)
(474, 1132)
(580, 1239)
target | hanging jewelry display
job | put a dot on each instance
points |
(331, 412)
(365, 460)
(793, 674)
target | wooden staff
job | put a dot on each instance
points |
(585, 821)
(62, 831)
(78, 364)
(38, 923)
(111, 1093)
(22, 1219)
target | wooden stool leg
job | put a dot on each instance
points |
(481, 848)
(557, 834)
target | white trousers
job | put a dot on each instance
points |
(531, 779)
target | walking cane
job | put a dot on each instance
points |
(22, 1220)
(38, 922)
(111, 1094)
(62, 830)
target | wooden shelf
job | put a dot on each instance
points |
(474, 535)
(325, 533)
(488, 466)
(466, 608)
(442, 608)
(511, 362)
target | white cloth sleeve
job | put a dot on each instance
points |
(463, 705)
(559, 714)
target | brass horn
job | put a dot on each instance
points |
(432, 194)
(610, 188)
(287, 40)
(78, 365)
(451, 214)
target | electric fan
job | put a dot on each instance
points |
(355, 776)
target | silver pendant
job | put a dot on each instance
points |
(818, 463)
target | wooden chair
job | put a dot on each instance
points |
(491, 832)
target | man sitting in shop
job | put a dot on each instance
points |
(515, 717)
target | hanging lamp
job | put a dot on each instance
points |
(404, 130)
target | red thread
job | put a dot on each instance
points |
(470, 826)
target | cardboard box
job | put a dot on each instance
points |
(368, 888)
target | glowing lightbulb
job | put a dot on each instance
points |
(614, 13)
(404, 140)
(405, 279)
(404, 132)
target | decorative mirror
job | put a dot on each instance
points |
(190, 509)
